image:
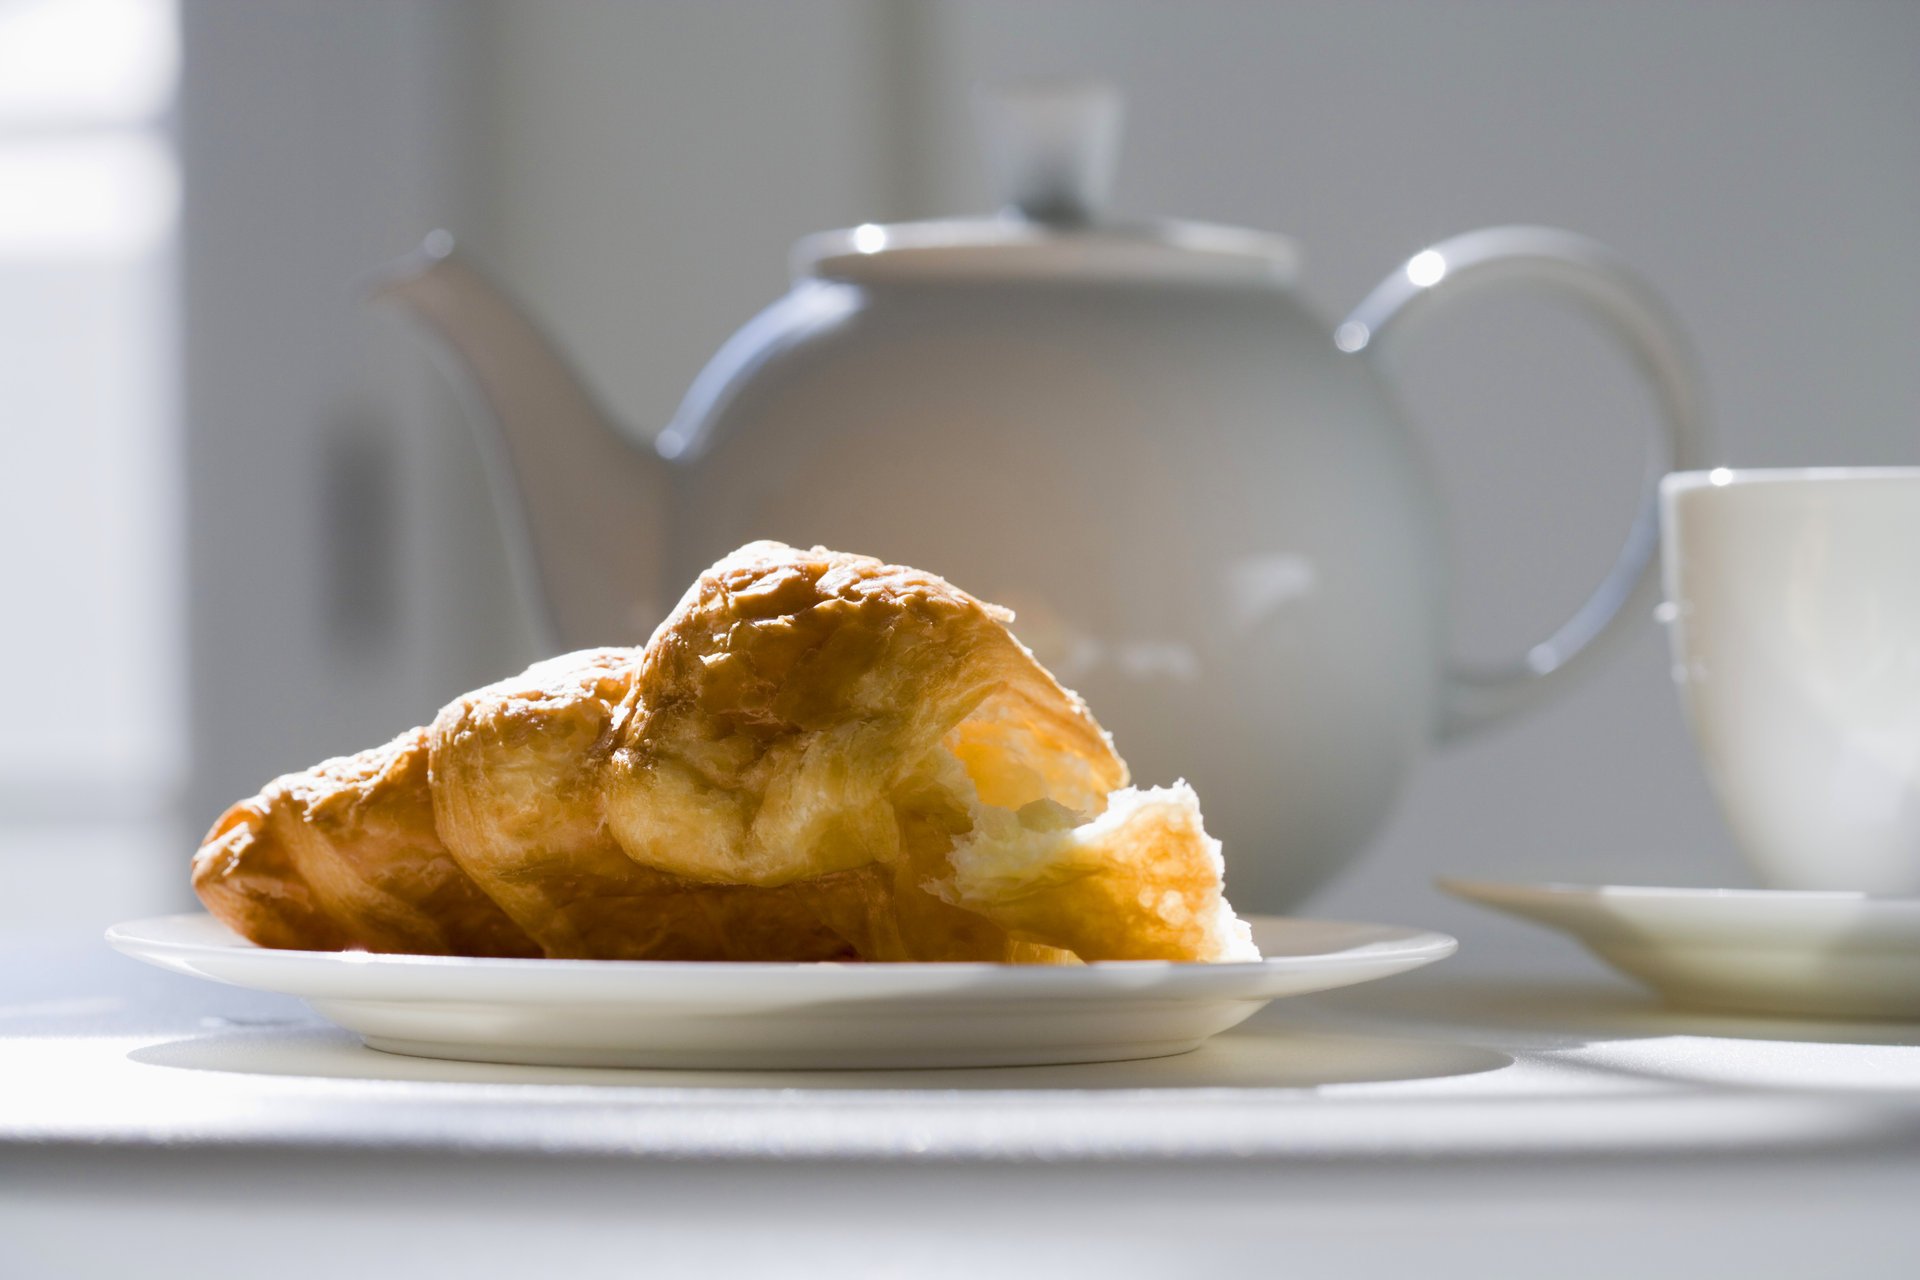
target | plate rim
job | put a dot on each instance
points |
(1474, 888)
(1405, 945)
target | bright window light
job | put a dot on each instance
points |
(69, 63)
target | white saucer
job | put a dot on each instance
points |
(1774, 951)
(747, 1016)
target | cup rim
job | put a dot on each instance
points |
(1730, 477)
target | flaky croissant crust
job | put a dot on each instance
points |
(817, 756)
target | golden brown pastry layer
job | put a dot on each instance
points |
(817, 756)
(346, 856)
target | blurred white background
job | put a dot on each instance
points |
(204, 401)
(93, 745)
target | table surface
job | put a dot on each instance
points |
(1449, 1104)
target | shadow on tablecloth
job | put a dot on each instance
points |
(1266, 1053)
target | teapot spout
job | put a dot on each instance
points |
(583, 508)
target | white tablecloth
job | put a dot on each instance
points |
(1452, 1122)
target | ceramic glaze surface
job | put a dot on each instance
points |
(1795, 616)
(1767, 951)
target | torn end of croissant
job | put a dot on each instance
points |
(1142, 881)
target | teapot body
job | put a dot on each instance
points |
(1193, 492)
(1207, 519)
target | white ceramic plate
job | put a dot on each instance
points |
(745, 1016)
(1774, 951)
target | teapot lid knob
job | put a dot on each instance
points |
(1051, 147)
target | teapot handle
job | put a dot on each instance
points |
(1592, 276)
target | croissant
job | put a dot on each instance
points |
(817, 756)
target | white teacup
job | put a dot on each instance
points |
(1794, 603)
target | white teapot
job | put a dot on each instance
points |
(1194, 493)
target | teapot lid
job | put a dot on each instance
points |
(1051, 147)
